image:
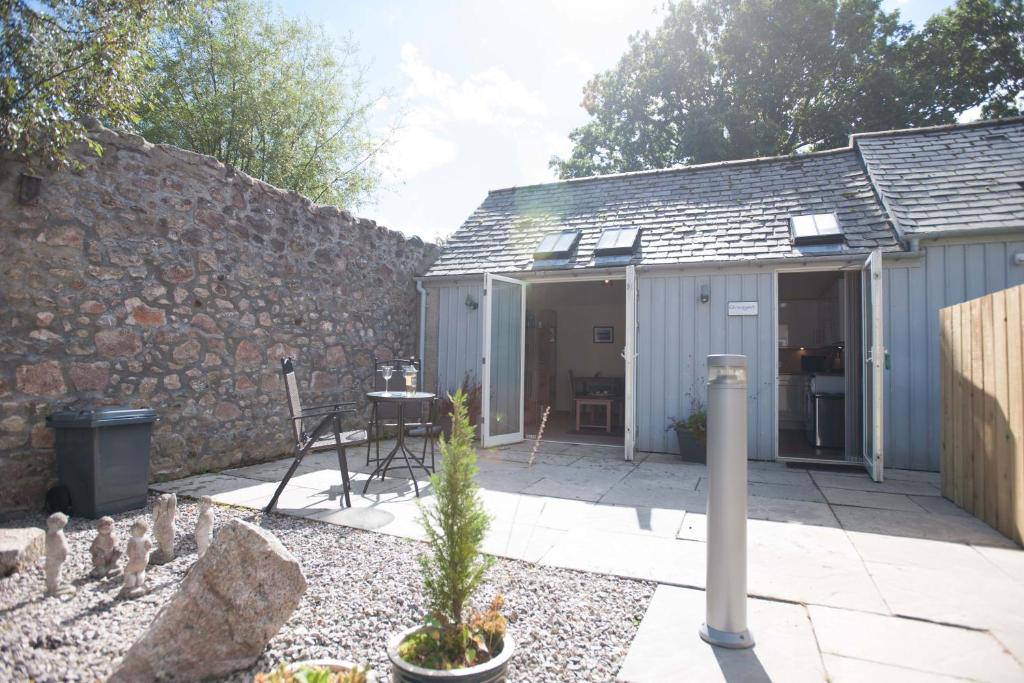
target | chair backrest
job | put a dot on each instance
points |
(291, 387)
(572, 384)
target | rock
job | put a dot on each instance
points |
(20, 548)
(41, 379)
(232, 602)
(118, 342)
(90, 376)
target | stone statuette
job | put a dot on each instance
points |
(204, 525)
(139, 547)
(164, 512)
(56, 553)
(105, 550)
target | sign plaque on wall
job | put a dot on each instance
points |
(742, 308)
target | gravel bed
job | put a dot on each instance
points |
(363, 588)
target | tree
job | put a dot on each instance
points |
(63, 60)
(730, 79)
(272, 96)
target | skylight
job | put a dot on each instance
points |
(557, 244)
(618, 241)
(819, 228)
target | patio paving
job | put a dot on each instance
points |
(849, 579)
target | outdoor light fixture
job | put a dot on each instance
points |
(471, 303)
(705, 293)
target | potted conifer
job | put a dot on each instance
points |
(455, 643)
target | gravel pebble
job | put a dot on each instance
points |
(363, 588)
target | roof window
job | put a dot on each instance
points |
(618, 241)
(556, 245)
(819, 228)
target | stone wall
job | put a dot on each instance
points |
(156, 277)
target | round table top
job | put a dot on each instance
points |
(400, 395)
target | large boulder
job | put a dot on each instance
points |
(19, 548)
(229, 606)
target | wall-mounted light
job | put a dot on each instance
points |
(471, 303)
(705, 293)
(1018, 259)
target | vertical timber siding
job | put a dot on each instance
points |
(915, 291)
(677, 332)
(460, 335)
(982, 407)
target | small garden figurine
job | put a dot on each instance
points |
(139, 547)
(204, 525)
(56, 553)
(104, 549)
(164, 512)
(454, 638)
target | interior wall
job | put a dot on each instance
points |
(580, 306)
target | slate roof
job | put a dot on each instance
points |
(728, 211)
(949, 178)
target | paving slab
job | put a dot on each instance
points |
(939, 506)
(862, 482)
(920, 525)
(650, 558)
(912, 644)
(1010, 560)
(521, 541)
(871, 499)
(952, 594)
(667, 647)
(793, 511)
(644, 494)
(694, 527)
(919, 552)
(808, 564)
(805, 492)
(849, 670)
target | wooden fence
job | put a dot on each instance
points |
(982, 357)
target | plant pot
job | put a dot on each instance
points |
(691, 449)
(493, 671)
(339, 665)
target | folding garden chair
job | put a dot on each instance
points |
(326, 435)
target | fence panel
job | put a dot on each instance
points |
(982, 403)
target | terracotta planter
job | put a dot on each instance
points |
(493, 671)
(339, 665)
(691, 449)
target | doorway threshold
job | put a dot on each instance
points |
(800, 460)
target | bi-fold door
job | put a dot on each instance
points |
(872, 309)
(504, 323)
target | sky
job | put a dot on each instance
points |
(483, 92)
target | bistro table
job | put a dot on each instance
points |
(401, 399)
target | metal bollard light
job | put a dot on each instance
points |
(726, 616)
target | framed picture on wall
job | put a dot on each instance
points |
(604, 335)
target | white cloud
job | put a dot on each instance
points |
(489, 97)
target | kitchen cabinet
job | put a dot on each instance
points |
(809, 323)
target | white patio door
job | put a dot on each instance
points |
(872, 309)
(629, 354)
(504, 322)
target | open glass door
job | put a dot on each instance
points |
(874, 359)
(629, 354)
(504, 323)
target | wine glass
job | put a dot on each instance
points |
(387, 371)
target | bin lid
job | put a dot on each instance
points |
(100, 417)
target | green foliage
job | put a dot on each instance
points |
(272, 96)
(696, 423)
(62, 60)
(730, 79)
(454, 646)
(455, 526)
(313, 674)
